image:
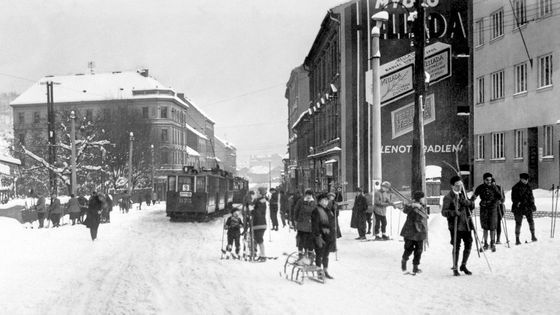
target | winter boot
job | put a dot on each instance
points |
(492, 246)
(378, 238)
(485, 246)
(403, 265)
(533, 237)
(415, 269)
(385, 237)
(327, 275)
(464, 269)
(517, 241)
(455, 272)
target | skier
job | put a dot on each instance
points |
(302, 218)
(456, 208)
(233, 226)
(523, 204)
(73, 207)
(273, 202)
(259, 222)
(358, 220)
(41, 210)
(323, 229)
(414, 231)
(382, 199)
(490, 198)
(501, 212)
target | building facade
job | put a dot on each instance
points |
(333, 135)
(182, 135)
(516, 107)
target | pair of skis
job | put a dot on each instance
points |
(554, 210)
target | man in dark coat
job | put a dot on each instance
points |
(414, 231)
(83, 207)
(323, 229)
(284, 208)
(93, 219)
(457, 209)
(490, 199)
(358, 220)
(273, 202)
(523, 204)
(302, 216)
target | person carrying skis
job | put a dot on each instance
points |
(302, 217)
(323, 229)
(233, 226)
(523, 204)
(414, 231)
(382, 199)
(259, 222)
(456, 208)
(490, 198)
(358, 220)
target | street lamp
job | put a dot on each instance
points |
(379, 18)
(73, 143)
(130, 163)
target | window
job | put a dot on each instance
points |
(497, 19)
(89, 115)
(518, 145)
(545, 8)
(144, 112)
(164, 157)
(520, 72)
(480, 89)
(544, 71)
(498, 145)
(520, 13)
(21, 118)
(480, 32)
(164, 135)
(480, 147)
(497, 85)
(163, 112)
(36, 117)
(548, 141)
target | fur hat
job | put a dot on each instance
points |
(524, 176)
(417, 195)
(322, 196)
(486, 175)
(454, 179)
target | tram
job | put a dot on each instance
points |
(193, 195)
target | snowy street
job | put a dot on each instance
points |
(144, 264)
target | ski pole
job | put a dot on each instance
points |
(555, 211)
(552, 211)
(454, 253)
(504, 222)
(223, 232)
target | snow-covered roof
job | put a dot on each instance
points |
(331, 150)
(299, 119)
(191, 103)
(9, 159)
(196, 132)
(226, 143)
(98, 87)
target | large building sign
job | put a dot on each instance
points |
(403, 117)
(397, 75)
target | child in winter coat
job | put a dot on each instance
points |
(414, 231)
(233, 226)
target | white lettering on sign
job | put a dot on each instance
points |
(432, 148)
(403, 117)
(382, 4)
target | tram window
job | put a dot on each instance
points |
(171, 181)
(200, 184)
(186, 183)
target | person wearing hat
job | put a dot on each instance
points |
(414, 231)
(302, 218)
(273, 203)
(259, 222)
(457, 209)
(323, 229)
(523, 204)
(382, 199)
(233, 226)
(358, 220)
(93, 219)
(490, 199)
(334, 208)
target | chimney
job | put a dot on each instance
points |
(143, 72)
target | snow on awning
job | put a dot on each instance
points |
(330, 161)
(192, 152)
(299, 119)
(196, 132)
(329, 151)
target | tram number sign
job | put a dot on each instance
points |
(187, 194)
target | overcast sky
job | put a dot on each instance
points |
(232, 57)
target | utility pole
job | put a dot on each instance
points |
(418, 181)
(130, 163)
(51, 136)
(73, 157)
(153, 166)
(269, 176)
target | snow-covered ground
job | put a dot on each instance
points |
(144, 264)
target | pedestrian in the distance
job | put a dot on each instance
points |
(83, 207)
(358, 220)
(55, 210)
(523, 204)
(154, 197)
(414, 231)
(93, 219)
(334, 208)
(41, 210)
(148, 197)
(273, 204)
(73, 207)
(284, 208)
